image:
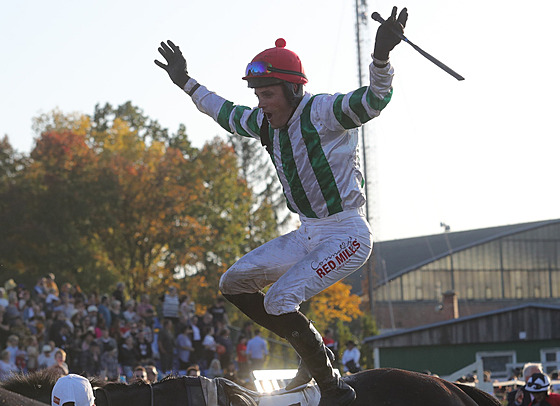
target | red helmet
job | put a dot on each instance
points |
(278, 63)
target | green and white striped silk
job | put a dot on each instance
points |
(316, 153)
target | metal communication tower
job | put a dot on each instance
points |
(361, 32)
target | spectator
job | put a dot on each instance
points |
(351, 358)
(12, 310)
(214, 369)
(193, 370)
(92, 314)
(13, 347)
(3, 298)
(556, 386)
(170, 305)
(129, 313)
(109, 362)
(247, 329)
(521, 397)
(106, 342)
(51, 285)
(32, 350)
(60, 360)
(152, 373)
(115, 311)
(46, 358)
(231, 373)
(128, 357)
(219, 314)
(329, 340)
(166, 346)
(538, 385)
(184, 347)
(145, 310)
(90, 360)
(205, 322)
(257, 351)
(187, 307)
(4, 328)
(242, 358)
(61, 336)
(7, 367)
(224, 347)
(143, 348)
(39, 291)
(118, 293)
(19, 329)
(196, 339)
(146, 329)
(78, 295)
(103, 310)
(139, 375)
(209, 347)
(51, 301)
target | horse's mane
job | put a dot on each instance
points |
(37, 385)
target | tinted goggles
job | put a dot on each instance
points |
(259, 68)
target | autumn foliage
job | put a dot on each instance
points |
(115, 197)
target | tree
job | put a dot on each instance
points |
(334, 303)
(115, 197)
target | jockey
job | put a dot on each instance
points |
(72, 390)
(538, 386)
(312, 141)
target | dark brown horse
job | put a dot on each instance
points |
(383, 387)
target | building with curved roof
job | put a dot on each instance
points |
(439, 277)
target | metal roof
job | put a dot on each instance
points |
(396, 257)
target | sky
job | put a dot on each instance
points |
(477, 153)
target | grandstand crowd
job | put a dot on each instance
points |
(110, 336)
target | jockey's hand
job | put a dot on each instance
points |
(176, 66)
(386, 38)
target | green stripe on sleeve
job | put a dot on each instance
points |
(252, 122)
(223, 115)
(377, 103)
(344, 120)
(237, 115)
(357, 106)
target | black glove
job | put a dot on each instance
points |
(176, 66)
(386, 38)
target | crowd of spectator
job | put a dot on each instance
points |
(113, 336)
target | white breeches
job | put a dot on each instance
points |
(303, 262)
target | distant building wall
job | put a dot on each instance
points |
(412, 314)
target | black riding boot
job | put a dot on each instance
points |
(303, 375)
(308, 343)
(252, 304)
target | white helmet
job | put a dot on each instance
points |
(538, 383)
